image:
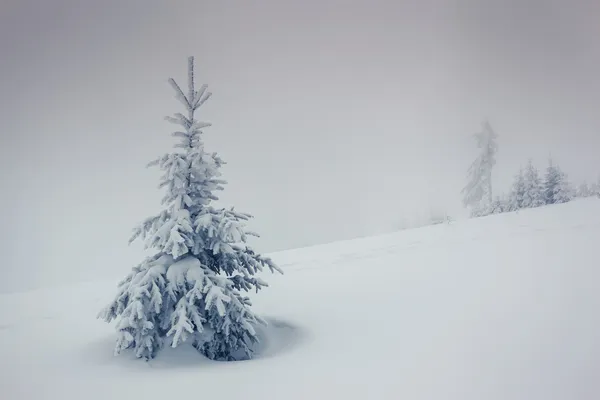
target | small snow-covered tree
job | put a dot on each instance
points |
(595, 188)
(481, 210)
(533, 195)
(516, 200)
(563, 192)
(477, 194)
(551, 180)
(499, 205)
(557, 188)
(191, 287)
(583, 190)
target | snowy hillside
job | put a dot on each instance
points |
(501, 307)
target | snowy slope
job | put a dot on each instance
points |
(502, 307)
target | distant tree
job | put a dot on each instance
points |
(477, 194)
(595, 188)
(563, 191)
(191, 287)
(499, 205)
(551, 181)
(557, 188)
(533, 193)
(516, 200)
(584, 190)
(481, 210)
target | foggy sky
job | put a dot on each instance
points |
(337, 118)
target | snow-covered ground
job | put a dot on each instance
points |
(502, 307)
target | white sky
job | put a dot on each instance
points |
(337, 118)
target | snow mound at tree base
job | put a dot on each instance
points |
(277, 337)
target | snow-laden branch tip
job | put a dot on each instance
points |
(201, 100)
(179, 95)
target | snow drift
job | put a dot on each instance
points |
(501, 307)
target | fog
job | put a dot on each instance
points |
(338, 119)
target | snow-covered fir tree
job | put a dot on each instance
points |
(516, 200)
(191, 288)
(557, 188)
(584, 190)
(481, 209)
(563, 192)
(589, 190)
(551, 180)
(477, 194)
(499, 205)
(595, 188)
(533, 195)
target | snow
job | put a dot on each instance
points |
(500, 307)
